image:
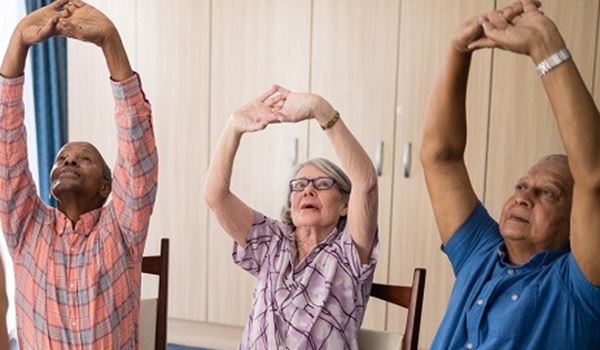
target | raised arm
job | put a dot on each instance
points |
(136, 170)
(363, 201)
(445, 132)
(19, 201)
(578, 121)
(232, 213)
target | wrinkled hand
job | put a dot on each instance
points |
(531, 33)
(41, 24)
(470, 35)
(300, 106)
(86, 23)
(257, 113)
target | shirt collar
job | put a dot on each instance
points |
(539, 260)
(84, 225)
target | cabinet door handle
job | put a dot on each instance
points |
(379, 158)
(294, 152)
(407, 159)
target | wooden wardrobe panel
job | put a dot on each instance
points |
(173, 60)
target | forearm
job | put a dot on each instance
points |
(353, 157)
(578, 122)
(13, 64)
(445, 130)
(116, 57)
(218, 180)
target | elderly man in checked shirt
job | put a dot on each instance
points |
(78, 267)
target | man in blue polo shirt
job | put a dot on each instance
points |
(530, 281)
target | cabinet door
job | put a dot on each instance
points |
(173, 61)
(253, 45)
(425, 31)
(522, 125)
(354, 50)
(91, 105)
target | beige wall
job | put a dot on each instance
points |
(375, 61)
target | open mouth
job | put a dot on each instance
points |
(309, 207)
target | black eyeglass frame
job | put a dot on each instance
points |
(313, 181)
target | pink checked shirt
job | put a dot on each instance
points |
(318, 304)
(78, 288)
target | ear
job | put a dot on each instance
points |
(105, 189)
(344, 211)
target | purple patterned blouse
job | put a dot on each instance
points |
(318, 304)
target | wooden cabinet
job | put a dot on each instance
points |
(173, 62)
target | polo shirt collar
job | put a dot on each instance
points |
(85, 224)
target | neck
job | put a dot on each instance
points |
(74, 206)
(309, 236)
(521, 251)
(517, 256)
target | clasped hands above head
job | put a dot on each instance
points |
(520, 28)
(279, 105)
(70, 18)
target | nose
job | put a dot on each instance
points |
(524, 198)
(309, 190)
(70, 161)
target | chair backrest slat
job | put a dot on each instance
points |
(159, 265)
(410, 297)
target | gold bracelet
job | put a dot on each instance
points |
(331, 122)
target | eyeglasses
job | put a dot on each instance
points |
(319, 183)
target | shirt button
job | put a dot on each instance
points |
(480, 302)
(73, 324)
(510, 271)
(469, 346)
(72, 285)
(514, 297)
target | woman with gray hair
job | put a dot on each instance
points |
(314, 268)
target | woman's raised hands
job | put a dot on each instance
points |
(259, 112)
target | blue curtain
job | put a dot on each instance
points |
(49, 65)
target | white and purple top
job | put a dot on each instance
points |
(318, 304)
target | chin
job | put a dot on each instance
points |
(512, 233)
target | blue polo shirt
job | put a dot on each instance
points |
(544, 304)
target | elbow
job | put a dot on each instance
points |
(587, 181)
(368, 187)
(438, 152)
(211, 197)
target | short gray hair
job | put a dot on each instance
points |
(330, 169)
(555, 158)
